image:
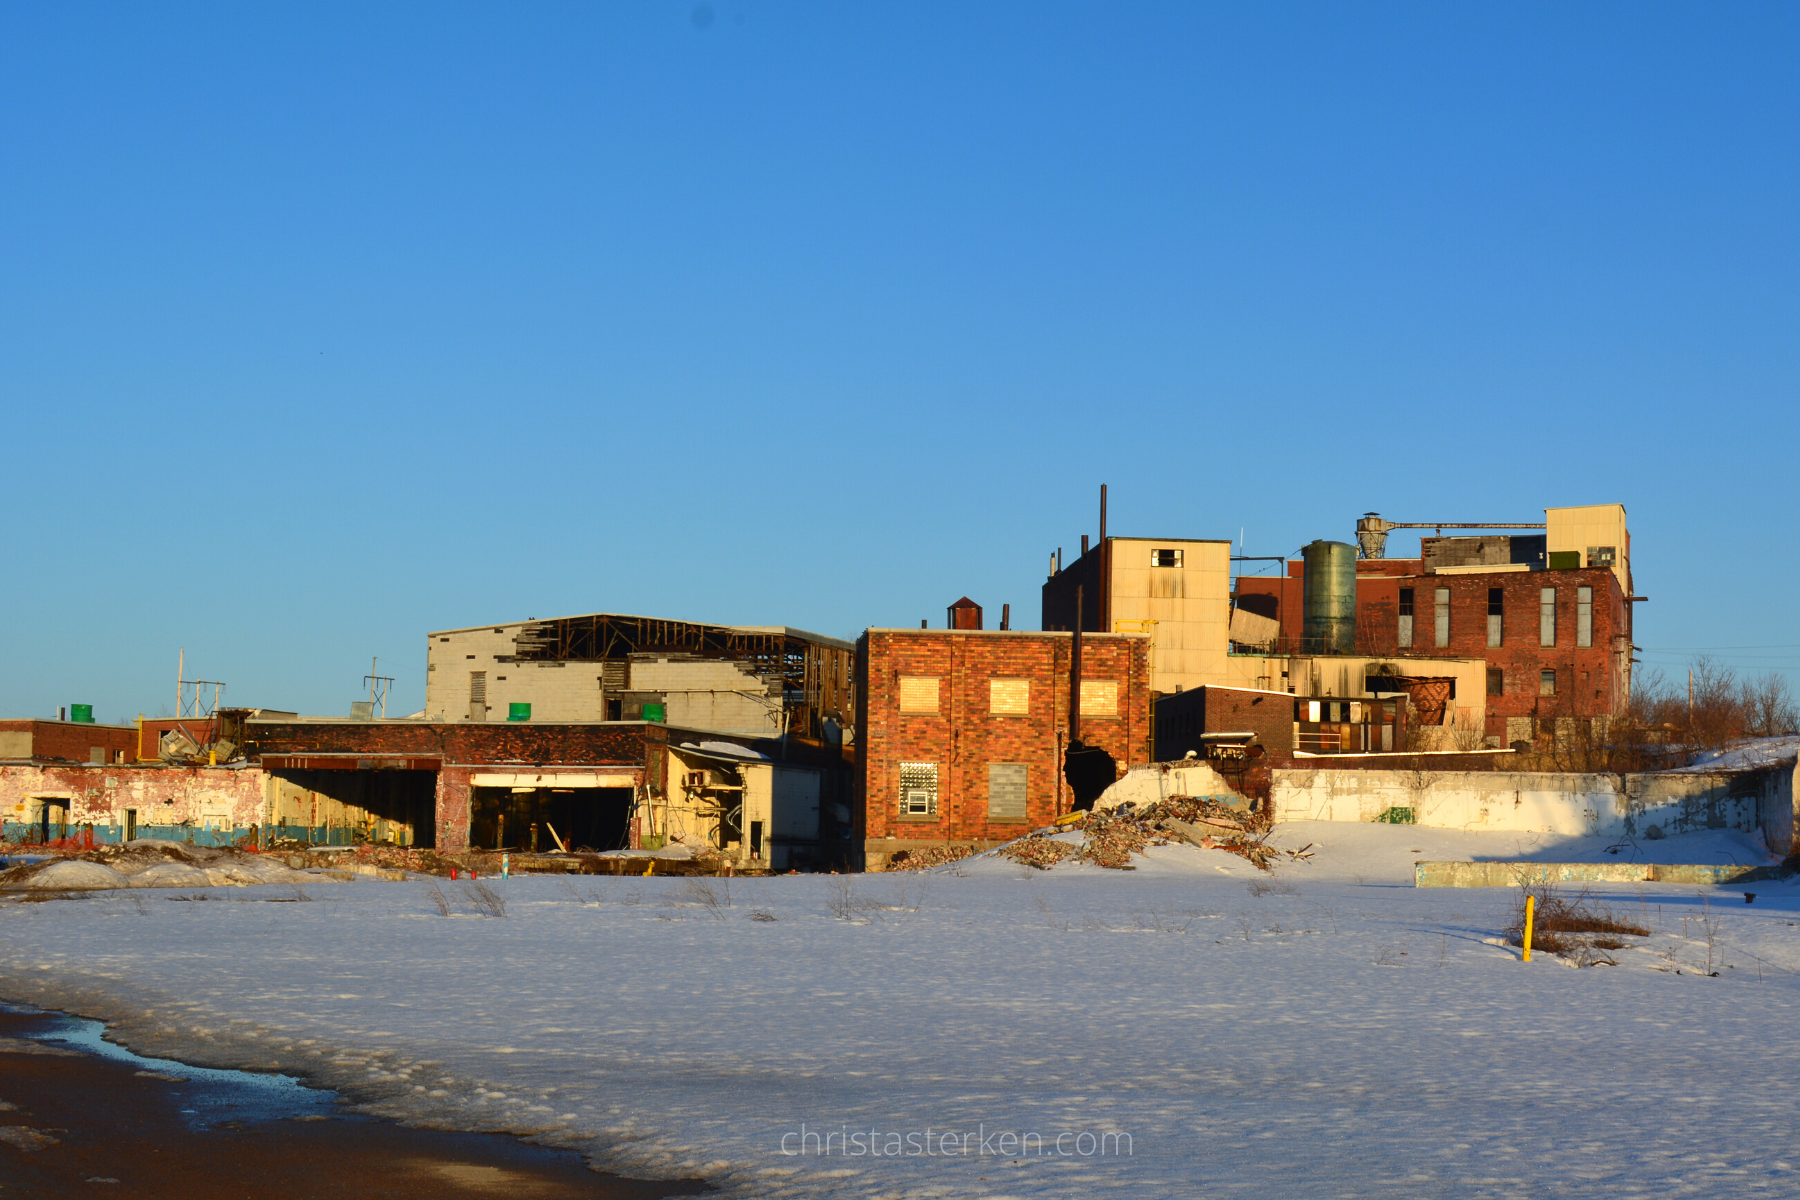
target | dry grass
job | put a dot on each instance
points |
(1575, 926)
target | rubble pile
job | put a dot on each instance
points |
(152, 862)
(1113, 837)
(1037, 850)
(928, 857)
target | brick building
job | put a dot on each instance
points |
(1551, 627)
(962, 733)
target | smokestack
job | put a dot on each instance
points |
(1075, 674)
(1084, 543)
(1103, 514)
(1005, 616)
(922, 624)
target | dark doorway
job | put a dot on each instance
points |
(525, 818)
(54, 825)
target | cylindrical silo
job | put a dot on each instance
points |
(1330, 597)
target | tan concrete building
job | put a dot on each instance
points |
(760, 681)
(1177, 591)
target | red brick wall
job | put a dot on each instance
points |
(1588, 680)
(477, 742)
(1181, 719)
(963, 736)
(71, 741)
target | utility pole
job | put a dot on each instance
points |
(378, 687)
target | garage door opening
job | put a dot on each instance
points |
(589, 819)
(354, 807)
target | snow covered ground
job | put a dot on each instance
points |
(1342, 1035)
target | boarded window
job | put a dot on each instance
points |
(1496, 615)
(1442, 622)
(1496, 681)
(918, 789)
(1099, 698)
(1006, 791)
(1546, 683)
(477, 695)
(1165, 558)
(1584, 616)
(918, 693)
(1546, 616)
(1009, 696)
(1406, 617)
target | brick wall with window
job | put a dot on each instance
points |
(960, 732)
(1572, 623)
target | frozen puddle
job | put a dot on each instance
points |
(212, 1097)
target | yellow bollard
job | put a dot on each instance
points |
(650, 866)
(1530, 905)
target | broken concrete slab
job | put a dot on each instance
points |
(1516, 874)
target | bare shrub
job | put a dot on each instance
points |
(1278, 887)
(435, 894)
(840, 897)
(762, 914)
(1559, 921)
(483, 900)
(715, 898)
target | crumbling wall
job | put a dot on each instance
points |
(208, 806)
(1643, 805)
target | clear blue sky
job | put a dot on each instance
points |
(325, 325)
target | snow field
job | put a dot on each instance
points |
(1327, 1031)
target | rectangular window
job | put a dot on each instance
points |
(1443, 617)
(1546, 616)
(1584, 616)
(1312, 710)
(1006, 792)
(918, 693)
(1601, 556)
(1406, 616)
(1496, 614)
(1496, 681)
(1099, 698)
(477, 695)
(1546, 683)
(918, 789)
(1009, 696)
(1165, 558)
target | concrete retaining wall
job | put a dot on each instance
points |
(1573, 805)
(1515, 874)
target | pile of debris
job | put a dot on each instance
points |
(153, 862)
(1113, 837)
(927, 857)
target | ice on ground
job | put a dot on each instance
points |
(1327, 1030)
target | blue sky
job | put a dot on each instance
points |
(324, 326)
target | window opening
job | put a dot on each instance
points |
(1442, 623)
(1546, 683)
(1165, 558)
(1496, 614)
(1584, 616)
(1496, 681)
(1547, 616)
(918, 789)
(1406, 617)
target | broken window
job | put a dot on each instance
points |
(1546, 683)
(1496, 614)
(1165, 558)
(477, 695)
(1006, 791)
(918, 789)
(1406, 616)
(1009, 696)
(918, 693)
(1584, 616)
(1496, 681)
(1546, 616)
(1601, 556)
(1442, 623)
